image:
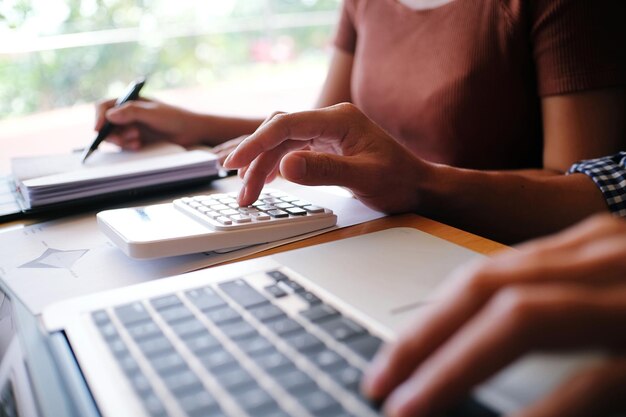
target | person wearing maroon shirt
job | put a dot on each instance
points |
(469, 112)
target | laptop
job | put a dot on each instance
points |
(283, 335)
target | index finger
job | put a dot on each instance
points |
(301, 126)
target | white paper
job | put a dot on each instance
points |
(41, 166)
(57, 260)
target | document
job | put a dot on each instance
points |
(57, 178)
(54, 261)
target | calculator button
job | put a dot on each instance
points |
(229, 212)
(296, 211)
(240, 218)
(277, 214)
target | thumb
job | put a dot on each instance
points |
(317, 168)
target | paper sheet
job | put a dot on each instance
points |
(42, 166)
(53, 261)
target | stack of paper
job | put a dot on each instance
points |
(59, 178)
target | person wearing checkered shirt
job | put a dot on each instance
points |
(609, 174)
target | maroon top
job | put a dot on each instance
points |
(461, 84)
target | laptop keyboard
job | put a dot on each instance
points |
(229, 349)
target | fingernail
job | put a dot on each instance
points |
(297, 168)
(401, 403)
(227, 160)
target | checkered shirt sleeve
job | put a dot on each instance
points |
(609, 174)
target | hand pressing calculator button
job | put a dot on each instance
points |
(211, 222)
(217, 211)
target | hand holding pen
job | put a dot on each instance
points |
(132, 93)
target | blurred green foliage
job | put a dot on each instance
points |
(198, 42)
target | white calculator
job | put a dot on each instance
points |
(211, 222)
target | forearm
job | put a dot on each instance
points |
(213, 130)
(509, 206)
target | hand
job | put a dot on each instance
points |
(344, 148)
(144, 121)
(224, 149)
(565, 292)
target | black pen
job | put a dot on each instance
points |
(132, 93)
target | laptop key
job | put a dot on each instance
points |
(198, 403)
(319, 313)
(304, 342)
(276, 291)
(218, 360)
(295, 381)
(118, 347)
(221, 315)
(327, 359)
(365, 346)
(266, 312)
(318, 402)
(273, 361)
(342, 328)
(183, 381)
(100, 317)
(310, 298)
(129, 365)
(295, 287)
(109, 332)
(165, 302)
(255, 345)
(348, 377)
(236, 378)
(205, 298)
(254, 399)
(239, 330)
(167, 363)
(188, 327)
(132, 313)
(277, 275)
(140, 383)
(146, 330)
(153, 405)
(283, 326)
(242, 293)
(200, 343)
(174, 314)
(155, 346)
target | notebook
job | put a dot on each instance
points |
(45, 183)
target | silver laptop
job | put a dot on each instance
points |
(284, 335)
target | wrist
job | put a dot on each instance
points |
(429, 183)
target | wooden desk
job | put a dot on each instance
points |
(451, 234)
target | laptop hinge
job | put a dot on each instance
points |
(70, 372)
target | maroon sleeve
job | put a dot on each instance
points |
(345, 37)
(579, 45)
